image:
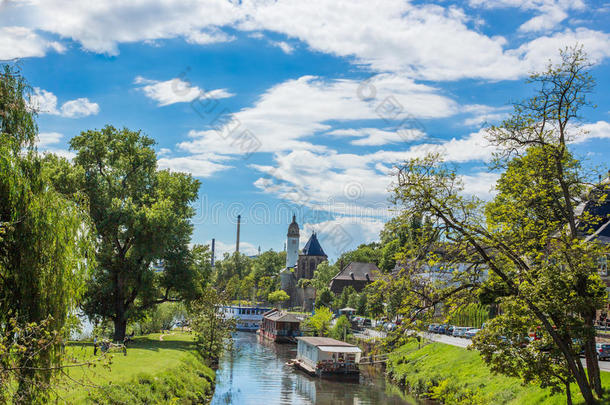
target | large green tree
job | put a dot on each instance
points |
(142, 218)
(528, 239)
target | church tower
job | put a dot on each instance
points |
(292, 243)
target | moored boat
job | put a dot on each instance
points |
(247, 318)
(327, 357)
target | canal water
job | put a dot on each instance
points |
(254, 372)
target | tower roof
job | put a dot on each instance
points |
(293, 228)
(312, 247)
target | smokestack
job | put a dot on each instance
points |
(238, 224)
(213, 251)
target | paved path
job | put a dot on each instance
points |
(461, 342)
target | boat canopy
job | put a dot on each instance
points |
(340, 349)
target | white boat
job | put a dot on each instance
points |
(247, 318)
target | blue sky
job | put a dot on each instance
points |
(291, 106)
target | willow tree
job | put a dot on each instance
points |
(45, 240)
(142, 219)
(530, 239)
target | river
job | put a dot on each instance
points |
(255, 373)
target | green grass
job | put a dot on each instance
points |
(458, 376)
(151, 365)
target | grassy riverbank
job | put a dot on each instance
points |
(157, 369)
(459, 376)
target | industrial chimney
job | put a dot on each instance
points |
(213, 251)
(237, 242)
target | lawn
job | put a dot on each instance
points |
(146, 354)
(459, 376)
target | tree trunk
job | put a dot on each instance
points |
(120, 327)
(568, 394)
(591, 359)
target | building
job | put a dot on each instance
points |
(323, 357)
(300, 266)
(355, 274)
(246, 318)
(279, 326)
(310, 257)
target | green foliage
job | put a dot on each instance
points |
(319, 323)
(162, 317)
(18, 127)
(46, 247)
(278, 296)
(324, 298)
(210, 325)
(473, 315)
(527, 239)
(367, 253)
(323, 274)
(343, 299)
(142, 217)
(341, 329)
(388, 255)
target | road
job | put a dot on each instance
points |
(461, 342)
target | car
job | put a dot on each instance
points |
(603, 351)
(431, 327)
(449, 330)
(459, 331)
(471, 332)
(442, 329)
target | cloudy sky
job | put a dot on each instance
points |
(291, 106)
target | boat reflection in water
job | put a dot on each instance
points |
(255, 372)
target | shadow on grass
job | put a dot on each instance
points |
(145, 343)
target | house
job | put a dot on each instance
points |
(280, 326)
(322, 356)
(357, 275)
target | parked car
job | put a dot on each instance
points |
(449, 330)
(471, 332)
(431, 327)
(459, 331)
(442, 329)
(603, 351)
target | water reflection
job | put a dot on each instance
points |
(254, 372)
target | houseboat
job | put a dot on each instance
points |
(326, 357)
(247, 318)
(280, 326)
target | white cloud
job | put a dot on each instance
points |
(427, 41)
(376, 137)
(22, 42)
(208, 37)
(596, 130)
(203, 165)
(221, 248)
(344, 233)
(45, 102)
(176, 91)
(48, 138)
(81, 107)
(551, 12)
(480, 184)
(290, 112)
(284, 46)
